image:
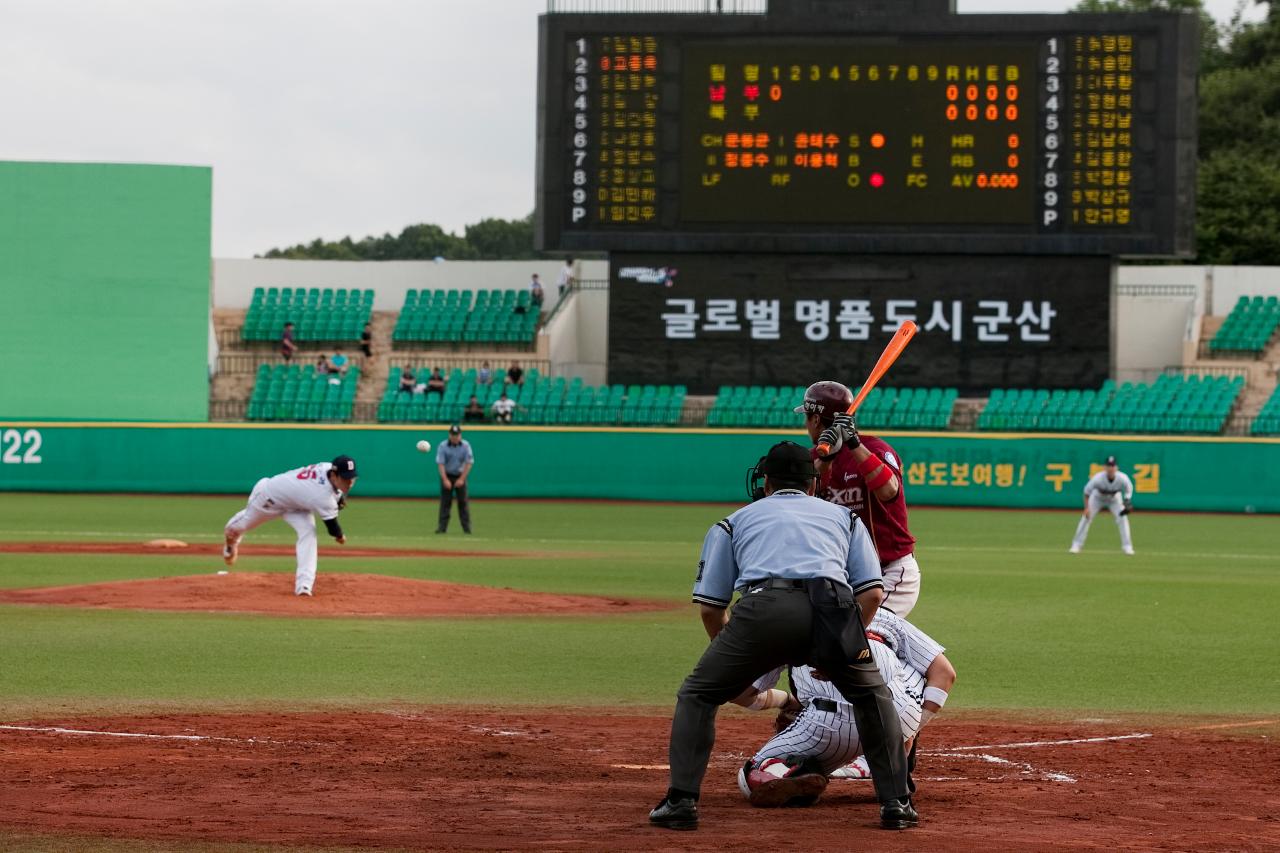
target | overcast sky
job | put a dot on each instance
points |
(319, 118)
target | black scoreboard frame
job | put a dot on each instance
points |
(1166, 199)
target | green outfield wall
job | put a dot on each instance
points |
(941, 469)
(105, 291)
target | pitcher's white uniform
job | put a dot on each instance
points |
(1104, 493)
(296, 496)
(825, 730)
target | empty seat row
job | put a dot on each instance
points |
(293, 393)
(320, 315)
(1249, 326)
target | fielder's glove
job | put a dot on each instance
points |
(841, 433)
(1128, 508)
(342, 501)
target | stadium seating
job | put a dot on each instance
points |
(294, 393)
(1172, 404)
(448, 316)
(1268, 420)
(540, 400)
(1249, 326)
(318, 315)
(884, 408)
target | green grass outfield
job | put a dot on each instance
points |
(1185, 627)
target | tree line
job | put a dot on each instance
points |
(1238, 184)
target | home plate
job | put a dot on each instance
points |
(642, 766)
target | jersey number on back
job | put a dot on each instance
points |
(308, 473)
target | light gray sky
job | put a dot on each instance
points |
(320, 118)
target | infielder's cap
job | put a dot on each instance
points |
(1111, 460)
(345, 467)
(454, 429)
(788, 461)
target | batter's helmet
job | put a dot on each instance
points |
(826, 399)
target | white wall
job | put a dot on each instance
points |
(235, 278)
(1230, 283)
(579, 337)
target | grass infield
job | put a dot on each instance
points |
(1184, 627)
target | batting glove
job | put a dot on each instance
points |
(849, 429)
(833, 438)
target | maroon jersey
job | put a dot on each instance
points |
(842, 484)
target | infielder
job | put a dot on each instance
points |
(864, 473)
(320, 489)
(794, 765)
(1108, 489)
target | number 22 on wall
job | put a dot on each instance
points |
(12, 443)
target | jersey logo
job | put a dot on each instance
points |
(701, 565)
(865, 654)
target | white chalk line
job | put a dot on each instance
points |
(1033, 743)
(1047, 775)
(58, 730)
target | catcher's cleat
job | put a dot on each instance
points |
(856, 769)
(898, 814)
(775, 783)
(675, 814)
(229, 552)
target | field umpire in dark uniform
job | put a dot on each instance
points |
(454, 460)
(810, 582)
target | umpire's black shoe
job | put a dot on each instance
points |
(675, 814)
(898, 814)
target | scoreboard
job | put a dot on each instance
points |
(1031, 134)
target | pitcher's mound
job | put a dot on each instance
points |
(336, 594)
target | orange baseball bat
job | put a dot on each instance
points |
(892, 350)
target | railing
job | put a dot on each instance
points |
(448, 363)
(664, 7)
(246, 363)
(1207, 370)
(1182, 291)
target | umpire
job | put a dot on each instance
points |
(810, 582)
(454, 460)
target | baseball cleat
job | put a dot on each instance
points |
(1074, 549)
(675, 814)
(856, 769)
(306, 590)
(229, 553)
(1127, 551)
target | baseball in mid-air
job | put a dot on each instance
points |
(424, 446)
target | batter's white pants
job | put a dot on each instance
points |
(901, 584)
(828, 737)
(1096, 505)
(259, 510)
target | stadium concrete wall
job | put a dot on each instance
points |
(104, 283)
(943, 469)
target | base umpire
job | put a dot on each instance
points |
(810, 582)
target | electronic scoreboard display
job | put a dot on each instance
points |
(1032, 134)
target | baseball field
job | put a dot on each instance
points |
(512, 689)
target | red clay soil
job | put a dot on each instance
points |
(336, 594)
(254, 550)
(582, 780)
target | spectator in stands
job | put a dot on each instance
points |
(435, 382)
(366, 340)
(339, 364)
(287, 346)
(322, 365)
(407, 383)
(485, 376)
(515, 374)
(566, 277)
(474, 411)
(503, 407)
(535, 294)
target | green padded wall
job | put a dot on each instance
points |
(104, 290)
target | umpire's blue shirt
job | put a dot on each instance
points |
(786, 535)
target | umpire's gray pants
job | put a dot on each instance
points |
(768, 629)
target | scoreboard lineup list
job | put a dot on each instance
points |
(913, 131)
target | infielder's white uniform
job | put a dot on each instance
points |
(1104, 493)
(824, 729)
(294, 496)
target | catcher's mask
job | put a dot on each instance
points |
(785, 461)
